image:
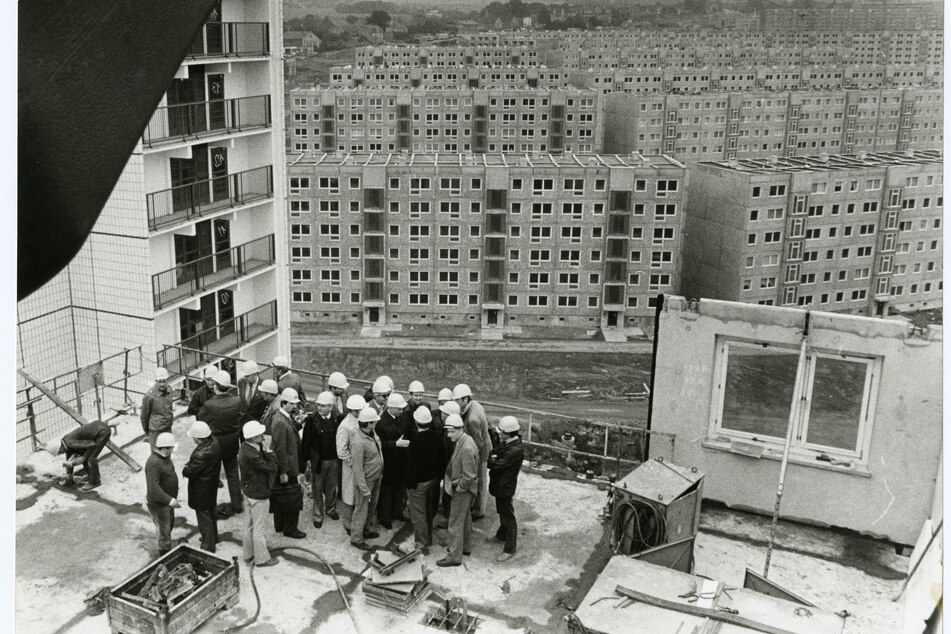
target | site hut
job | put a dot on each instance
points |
(489, 240)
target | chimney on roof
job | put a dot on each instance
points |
(861, 155)
(733, 163)
(824, 157)
(774, 160)
(910, 153)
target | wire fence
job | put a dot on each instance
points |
(101, 390)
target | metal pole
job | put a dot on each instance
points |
(530, 431)
(793, 410)
(95, 383)
(32, 416)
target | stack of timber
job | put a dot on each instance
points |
(398, 587)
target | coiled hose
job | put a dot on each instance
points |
(638, 526)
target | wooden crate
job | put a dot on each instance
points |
(218, 592)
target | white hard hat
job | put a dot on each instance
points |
(222, 378)
(508, 424)
(268, 386)
(416, 386)
(450, 407)
(290, 395)
(165, 439)
(249, 367)
(422, 415)
(388, 380)
(55, 446)
(396, 401)
(368, 415)
(281, 361)
(461, 390)
(381, 386)
(453, 420)
(199, 429)
(161, 374)
(337, 379)
(325, 398)
(252, 429)
(356, 402)
(445, 394)
(210, 372)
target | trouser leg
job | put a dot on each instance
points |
(289, 521)
(422, 531)
(92, 468)
(385, 506)
(361, 509)
(230, 464)
(255, 531)
(508, 525)
(207, 528)
(346, 515)
(482, 496)
(460, 517)
(330, 484)
(374, 501)
(163, 516)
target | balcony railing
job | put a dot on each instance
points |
(224, 338)
(181, 122)
(183, 203)
(231, 39)
(197, 275)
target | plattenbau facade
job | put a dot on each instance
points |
(857, 234)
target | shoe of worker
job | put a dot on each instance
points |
(370, 534)
(333, 516)
(504, 557)
(270, 562)
(69, 483)
(467, 552)
(296, 535)
(360, 545)
(89, 486)
(387, 525)
(446, 563)
(318, 523)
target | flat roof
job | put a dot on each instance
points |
(828, 162)
(364, 159)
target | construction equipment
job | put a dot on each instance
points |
(394, 582)
(453, 616)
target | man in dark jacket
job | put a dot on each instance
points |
(83, 446)
(221, 412)
(161, 489)
(287, 378)
(156, 413)
(319, 446)
(394, 438)
(258, 470)
(424, 468)
(504, 464)
(260, 402)
(286, 444)
(248, 384)
(205, 392)
(202, 471)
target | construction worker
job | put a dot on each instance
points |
(337, 385)
(446, 408)
(202, 470)
(394, 439)
(477, 426)
(416, 393)
(287, 378)
(319, 447)
(424, 468)
(378, 393)
(248, 384)
(260, 402)
(203, 393)
(461, 482)
(222, 413)
(348, 428)
(258, 470)
(367, 457)
(286, 445)
(161, 489)
(504, 464)
(82, 446)
(156, 412)
(445, 395)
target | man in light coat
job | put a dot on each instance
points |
(346, 431)
(461, 482)
(477, 426)
(367, 458)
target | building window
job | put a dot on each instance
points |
(302, 297)
(829, 398)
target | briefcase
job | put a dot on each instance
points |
(286, 498)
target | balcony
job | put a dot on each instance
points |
(190, 121)
(200, 274)
(223, 339)
(231, 39)
(170, 207)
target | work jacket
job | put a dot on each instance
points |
(87, 440)
(389, 430)
(222, 413)
(286, 445)
(198, 399)
(202, 470)
(346, 430)
(161, 481)
(425, 460)
(319, 441)
(290, 379)
(247, 390)
(257, 408)
(462, 474)
(504, 465)
(367, 460)
(476, 425)
(156, 414)
(257, 468)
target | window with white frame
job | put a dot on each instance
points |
(828, 398)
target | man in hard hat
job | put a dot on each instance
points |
(248, 384)
(260, 402)
(82, 446)
(203, 393)
(424, 468)
(258, 470)
(461, 482)
(367, 457)
(379, 391)
(505, 462)
(348, 428)
(156, 412)
(286, 377)
(222, 413)
(337, 385)
(394, 439)
(161, 489)
(446, 408)
(286, 445)
(202, 470)
(477, 426)
(319, 447)
(444, 396)
(415, 400)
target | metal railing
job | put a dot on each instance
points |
(231, 39)
(219, 340)
(172, 206)
(180, 122)
(195, 276)
(98, 390)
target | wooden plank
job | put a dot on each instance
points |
(126, 458)
(710, 613)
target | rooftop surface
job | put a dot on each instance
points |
(829, 162)
(70, 544)
(434, 159)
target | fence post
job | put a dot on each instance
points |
(32, 416)
(604, 463)
(531, 447)
(79, 397)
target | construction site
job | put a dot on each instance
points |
(626, 524)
